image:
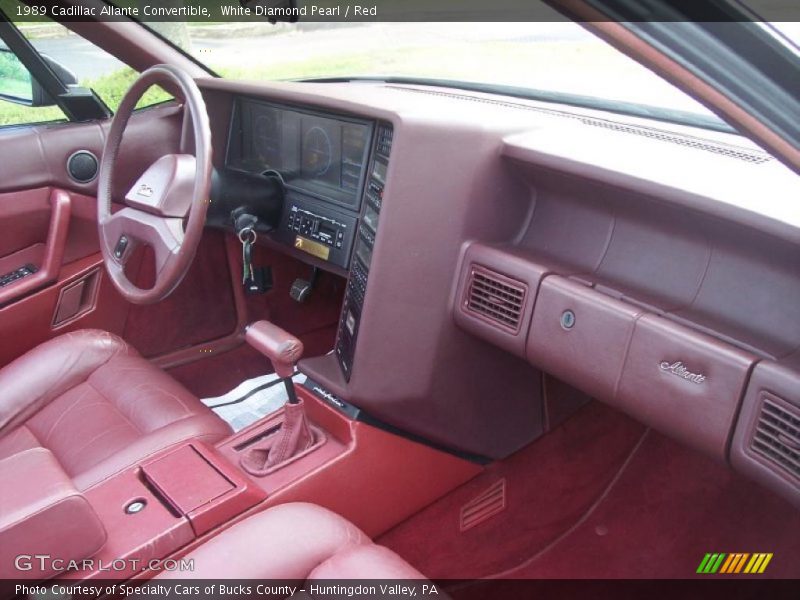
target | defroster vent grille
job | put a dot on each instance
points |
(496, 298)
(735, 152)
(777, 435)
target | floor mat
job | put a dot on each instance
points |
(668, 508)
(601, 498)
(251, 400)
(548, 484)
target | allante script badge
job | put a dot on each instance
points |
(678, 369)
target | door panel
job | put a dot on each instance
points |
(24, 219)
(29, 321)
(46, 257)
(49, 220)
(54, 231)
(36, 156)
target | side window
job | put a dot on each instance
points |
(16, 82)
(82, 62)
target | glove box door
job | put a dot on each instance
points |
(684, 383)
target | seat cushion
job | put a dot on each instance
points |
(41, 513)
(296, 541)
(97, 405)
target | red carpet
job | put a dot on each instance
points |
(578, 509)
(200, 309)
(669, 508)
(314, 322)
(550, 484)
(216, 375)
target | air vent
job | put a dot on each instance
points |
(496, 298)
(384, 143)
(777, 434)
(485, 506)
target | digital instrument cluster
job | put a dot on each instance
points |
(317, 154)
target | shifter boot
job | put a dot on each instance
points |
(294, 438)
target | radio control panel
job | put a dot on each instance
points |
(325, 229)
(316, 229)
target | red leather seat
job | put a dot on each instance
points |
(97, 405)
(294, 541)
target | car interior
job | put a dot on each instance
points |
(498, 337)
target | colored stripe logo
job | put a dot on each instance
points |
(734, 563)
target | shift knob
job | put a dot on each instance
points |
(279, 346)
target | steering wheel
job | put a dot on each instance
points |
(166, 207)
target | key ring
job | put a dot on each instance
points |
(245, 231)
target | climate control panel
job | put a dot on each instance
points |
(356, 292)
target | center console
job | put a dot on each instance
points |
(179, 498)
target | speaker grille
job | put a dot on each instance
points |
(82, 166)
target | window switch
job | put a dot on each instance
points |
(119, 249)
(13, 276)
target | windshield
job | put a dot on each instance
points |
(554, 57)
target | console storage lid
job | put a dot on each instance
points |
(41, 513)
(199, 484)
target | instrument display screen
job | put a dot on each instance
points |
(323, 155)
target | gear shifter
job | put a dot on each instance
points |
(281, 348)
(295, 436)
